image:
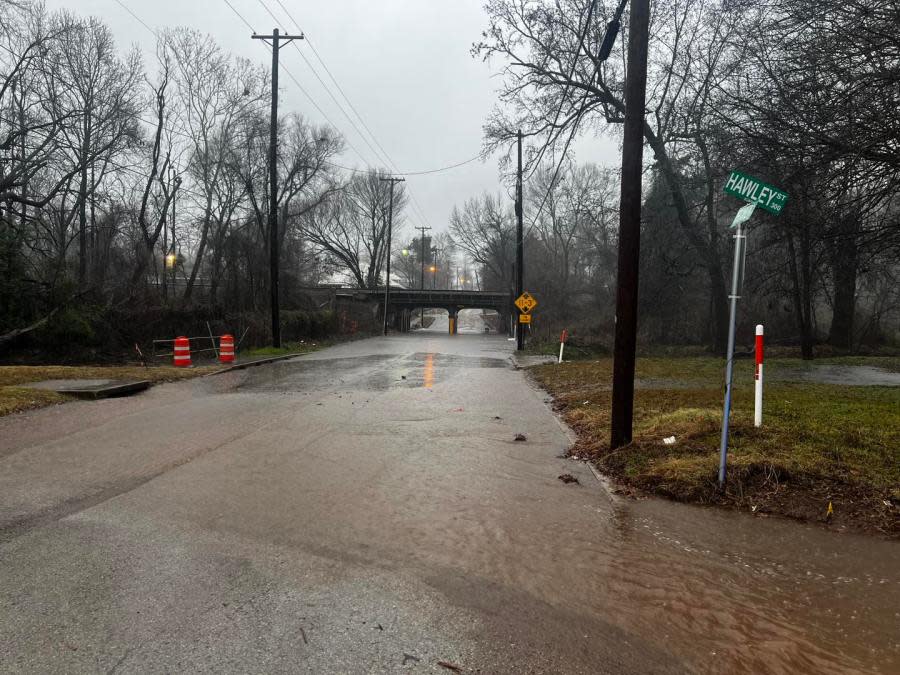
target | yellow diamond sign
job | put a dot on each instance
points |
(526, 302)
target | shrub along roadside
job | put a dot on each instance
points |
(819, 443)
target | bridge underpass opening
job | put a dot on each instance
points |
(433, 319)
(478, 321)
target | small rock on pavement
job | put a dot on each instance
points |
(568, 478)
(520, 437)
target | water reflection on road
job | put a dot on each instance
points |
(719, 591)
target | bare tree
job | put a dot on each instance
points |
(486, 232)
(351, 227)
(553, 82)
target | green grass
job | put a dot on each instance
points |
(15, 398)
(818, 442)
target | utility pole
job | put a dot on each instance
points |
(422, 229)
(630, 226)
(520, 247)
(276, 40)
(387, 281)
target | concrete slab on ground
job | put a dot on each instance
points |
(92, 389)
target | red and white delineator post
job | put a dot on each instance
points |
(562, 343)
(758, 376)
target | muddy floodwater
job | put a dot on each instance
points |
(366, 509)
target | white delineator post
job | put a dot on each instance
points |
(562, 343)
(757, 407)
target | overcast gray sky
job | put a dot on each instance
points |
(404, 64)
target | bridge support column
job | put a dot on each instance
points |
(454, 316)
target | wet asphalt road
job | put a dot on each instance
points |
(366, 509)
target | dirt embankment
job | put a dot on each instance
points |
(820, 444)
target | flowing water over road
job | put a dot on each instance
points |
(366, 509)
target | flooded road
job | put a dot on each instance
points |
(366, 509)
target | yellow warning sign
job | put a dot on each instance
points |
(524, 318)
(526, 303)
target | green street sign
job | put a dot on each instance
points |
(753, 190)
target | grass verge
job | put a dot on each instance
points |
(15, 398)
(819, 443)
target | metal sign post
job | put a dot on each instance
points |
(772, 199)
(737, 274)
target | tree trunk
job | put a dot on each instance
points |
(718, 305)
(844, 266)
(82, 212)
(707, 251)
(195, 270)
(800, 301)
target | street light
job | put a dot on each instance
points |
(433, 277)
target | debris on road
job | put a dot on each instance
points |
(520, 437)
(669, 440)
(409, 658)
(568, 478)
(449, 666)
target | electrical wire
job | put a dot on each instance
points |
(381, 154)
(420, 212)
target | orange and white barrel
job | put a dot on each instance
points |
(182, 352)
(226, 349)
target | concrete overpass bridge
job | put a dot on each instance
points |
(403, 302)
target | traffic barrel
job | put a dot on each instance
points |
(226, 349)
(182, 352)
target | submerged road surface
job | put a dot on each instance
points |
(366, 509)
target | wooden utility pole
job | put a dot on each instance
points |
(275, 39)
(422, 229)
(387, 280)
(520, 248)
(630, 226)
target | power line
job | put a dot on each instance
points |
(415, 173)
(137, 18)
(327, 90)
(300, 86)
(382, 156)
(339, 88)
(415, 203)
(246, 23)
